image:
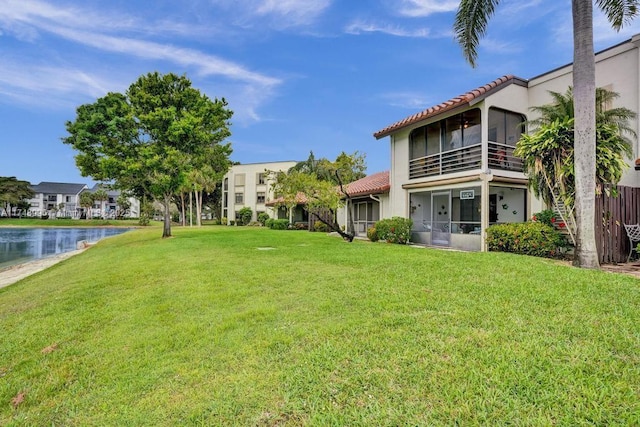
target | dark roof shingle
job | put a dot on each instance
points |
(58, 188)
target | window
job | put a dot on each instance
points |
(261, 179)
(260, 197)
(239, 180)
(226, 184)
(460, 130)
(67, 199)
(433, 138)
(239, 198)
(505, 127)
(418, 145)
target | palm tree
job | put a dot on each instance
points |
(562, 108)
(470, 25)
(86, 201)
(548, 150)
(101, 196)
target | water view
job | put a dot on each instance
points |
(18, 245)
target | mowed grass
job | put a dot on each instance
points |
(247, 326)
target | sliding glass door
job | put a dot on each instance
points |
(441, 218)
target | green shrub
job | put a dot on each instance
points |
(263, 217)
(320, 227)
(244, 216)
(546, 217)
(269, 222)
(527, 238)
(372, 234)
(223, 220)
(394, 230)
(232, 222)
(280, 224)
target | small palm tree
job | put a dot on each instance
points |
(101, 196)
(548, 152)
(86, 201)
(562, 107)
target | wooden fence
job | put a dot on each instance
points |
(611, 238)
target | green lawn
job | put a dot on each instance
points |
(250, 326)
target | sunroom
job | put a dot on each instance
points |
(453, 169)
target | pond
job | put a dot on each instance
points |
(18, 245)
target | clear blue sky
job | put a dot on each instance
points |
(300, 75)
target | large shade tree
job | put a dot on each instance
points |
(470, 25)
(147, 140)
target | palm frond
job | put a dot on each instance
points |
(619, 12)
(471, 24)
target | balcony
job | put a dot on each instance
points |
(464, 159)
(501, 157)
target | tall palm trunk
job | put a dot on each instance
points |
(166, 229)
(182, 209)
(584, 96)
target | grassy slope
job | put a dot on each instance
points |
(205, 329)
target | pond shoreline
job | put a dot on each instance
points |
(17, 272)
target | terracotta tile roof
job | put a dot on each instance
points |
(300, 199)
(637, 164)
(458, 101)
(372, 184)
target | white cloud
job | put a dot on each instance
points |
(422, 8)
(359, 27)
(499, 46)
(408, 100)
(604, 34)
(50, 86)
(295, 12)
(204, 64)
(31, 20)
(279, 14)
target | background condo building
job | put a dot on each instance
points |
(248, 185)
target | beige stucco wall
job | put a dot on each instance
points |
(512, 98)
(250, 188)
(384, 208)
(617, 69)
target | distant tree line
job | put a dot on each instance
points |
(14, 193)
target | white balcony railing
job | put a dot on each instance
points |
(463, 159)
(460, 159)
